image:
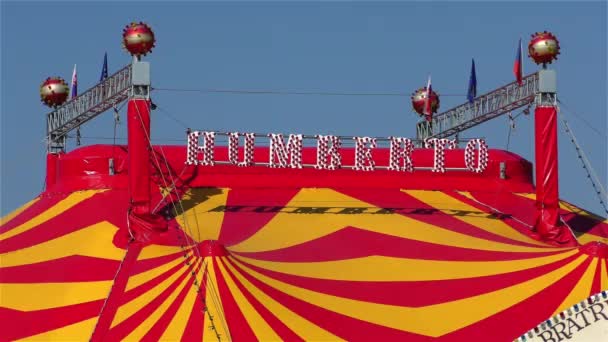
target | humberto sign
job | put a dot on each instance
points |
(288, 154)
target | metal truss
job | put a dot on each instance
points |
(96, 100)
(483, 108)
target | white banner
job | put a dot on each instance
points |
(586, 321)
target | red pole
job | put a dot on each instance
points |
(548, 223)
(138, 121)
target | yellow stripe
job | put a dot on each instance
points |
(94, 241)
(307, 227)
(604, 275)
(260, 327)
(40, 296)
(53, 211)
(585, 238)
(156, 251)
(175, 329)
(582, 289)
(380, 268)
(299, 325)
(80, 331)
(531, 196)
(198, 221)
(433, 320)
(18, 211)
(144, 277)
(148, 323)
(136, 304)
(214, 308)
(475, 217)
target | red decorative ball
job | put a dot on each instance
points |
(543, 47)
(419, 99)
(138, 39)
(54, 91)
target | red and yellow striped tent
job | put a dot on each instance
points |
(275, 254)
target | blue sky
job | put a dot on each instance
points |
(322, 46)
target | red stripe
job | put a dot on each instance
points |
(19, 324)
(275, 323)
(507, 219)
(239, 328)
(238, 226)
(506, 202)
(523, 208)
(194, 327)
(116, 293)
(362, 243)
(413, 293)
(123, 329)
(411, 207)
(159, 328)
(141, 289)
(596, 286)
(46, 201)
(343, 326)
(80, 216)
(511, 323)
(148, 264)
(69, 269)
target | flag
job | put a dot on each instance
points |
(472, 92)
(74, 89)
(104, 68)
(518, 65)
(428, 110)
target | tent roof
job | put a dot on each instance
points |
(291, 254)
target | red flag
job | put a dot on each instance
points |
(428, 110)
(518, 65)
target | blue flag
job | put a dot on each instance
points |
(104, 68)
(74, 89)
(472, 92)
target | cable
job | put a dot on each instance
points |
(192, 247)
(590, 126)
(282, 92)
(591, 175)
(120, 267)
(512, 124)
(181, 123)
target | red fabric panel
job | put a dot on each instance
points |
(51, 169)
(138, 121)
(548, 223)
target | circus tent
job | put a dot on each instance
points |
(268, 254)
(151, 242)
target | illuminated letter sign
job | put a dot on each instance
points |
(328, 147)
(363, 154)
(279, 153)
(290, 154)
(194, 149)
(233, 149)
(401, 150)
(482, 155)
(439, 146)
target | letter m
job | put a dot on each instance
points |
(281, 154)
